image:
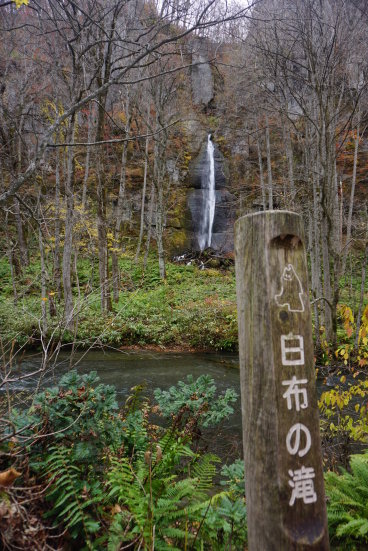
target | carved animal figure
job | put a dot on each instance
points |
(291, 293)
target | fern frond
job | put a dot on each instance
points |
(353, 528)
(66, 490)
(204, 470)
(347, 505)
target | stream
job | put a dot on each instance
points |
(126, 369)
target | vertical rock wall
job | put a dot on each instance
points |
(201, 76)
(222, 232)
(203, 99)
(185, 200)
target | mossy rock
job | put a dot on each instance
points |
(177, 241)
(178, 216)
(214, 263)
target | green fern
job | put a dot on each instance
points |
(159, 505)
(348, 503)
(224, 526)
(71, 495)
(204, 471)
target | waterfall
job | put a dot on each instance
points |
(208, 198)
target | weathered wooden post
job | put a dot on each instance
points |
(286, 507)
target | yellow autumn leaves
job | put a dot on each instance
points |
(19, 3)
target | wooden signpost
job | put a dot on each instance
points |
(286, 507)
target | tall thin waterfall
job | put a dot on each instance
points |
(208, 198)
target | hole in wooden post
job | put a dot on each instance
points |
(283, 315)
(287, 241)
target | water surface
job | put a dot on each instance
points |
(126, 369)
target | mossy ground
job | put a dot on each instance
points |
(192, 308)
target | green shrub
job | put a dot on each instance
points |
(79, 414)
(195, 403)
(347, 504)
(111, 478)
(192, 307)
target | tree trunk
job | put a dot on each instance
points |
(102, 241)
(289, 156)
(351, 202)
(260, 168)
(361, 301)
(160, 214)
(269, 167)
(68, 234)
(10, 254)
(88, 154)
(141, 229)
(104, 71)
(150, 221)
(261, 178)
(317, 272)
(327, 291)
(23, 250)
(44, 296)
(119, 211)
(311, 248)
(115, 273)
(57, 267)
(329, 205)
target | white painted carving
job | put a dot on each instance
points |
(302, 485)
(291, 294)
(294, 391)
(287, 351)
(293, 440)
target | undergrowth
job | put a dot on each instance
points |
(191, 308)
(110, 478)
(348, 505)
(96, 476)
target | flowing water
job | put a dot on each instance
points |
(208, 198)
(126, 369)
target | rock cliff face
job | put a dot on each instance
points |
(222, 232)
(186, 198)
(201, 77)
(203, 98)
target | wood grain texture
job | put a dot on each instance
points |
(283, 512)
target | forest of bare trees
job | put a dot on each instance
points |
(304, 96)
(97, 95)
(115, 116)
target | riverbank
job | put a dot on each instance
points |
(192, 310)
